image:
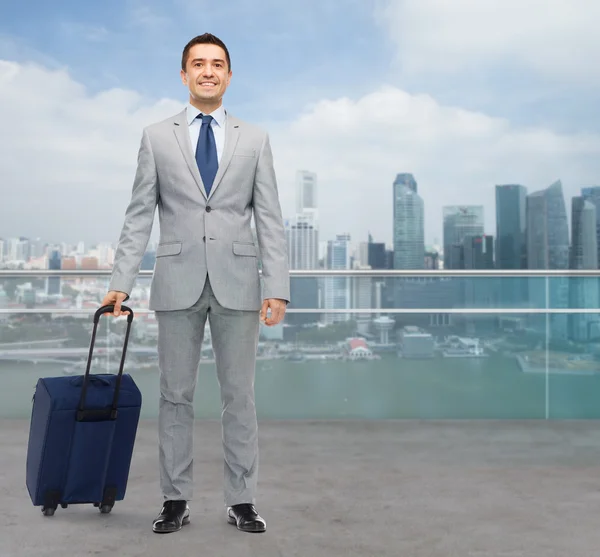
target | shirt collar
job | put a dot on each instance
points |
(219, 115)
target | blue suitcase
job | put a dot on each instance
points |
(82, 435)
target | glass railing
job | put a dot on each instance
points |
(354, 344)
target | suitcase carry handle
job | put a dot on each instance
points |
(78, 381)
(107, 413)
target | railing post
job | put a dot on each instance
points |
(547, 384)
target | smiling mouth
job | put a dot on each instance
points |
(208, 84)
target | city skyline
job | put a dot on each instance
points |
(514, 244)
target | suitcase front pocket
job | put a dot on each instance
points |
(88, 461)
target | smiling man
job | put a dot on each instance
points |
(208, 172)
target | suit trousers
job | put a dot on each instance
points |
(234, 336)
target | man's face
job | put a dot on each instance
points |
(207, 75)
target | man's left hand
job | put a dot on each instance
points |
(277, 308)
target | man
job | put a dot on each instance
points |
(208, 172)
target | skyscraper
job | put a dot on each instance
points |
(337, 289)
(306, 193)
(548, 248)
(409, 224)
(478, 252)
(302, 234)
(547, 229)
(303, 242)
(583, 291)
(478, 292)
(511, 219)
(592, 194)
(53, 284)
(460, 221)
(511, 247)
(584, 245)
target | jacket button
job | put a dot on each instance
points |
(208, 209)
(204, 238)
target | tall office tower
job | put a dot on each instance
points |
(53, 284)
(592, 194)
(479, 292)
(302, 236)
(376, 258)
(382, 288)
(584, 245)
(547, 229)
(583, 291)
(511, 219)
(361, 254)
(338, 289)
(511, 247)
(362, 295)
(306, 193)
(409, 224)
(548, 248)
(460, 221)
(478, 252)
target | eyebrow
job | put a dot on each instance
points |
(203, 59)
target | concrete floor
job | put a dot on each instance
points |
(402, 488)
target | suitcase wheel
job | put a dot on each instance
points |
(48, 511)
(64, 505)
(105, 509)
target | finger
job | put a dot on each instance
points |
(117, 309)
(276, 316)
(263, 311)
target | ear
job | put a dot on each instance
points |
(183, 77)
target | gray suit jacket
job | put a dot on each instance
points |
(202, 236)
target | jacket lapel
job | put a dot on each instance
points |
(232, 134)
(182, 134)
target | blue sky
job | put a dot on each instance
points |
(464, 94)
(284, 54)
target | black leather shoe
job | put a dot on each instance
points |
(245, 517)
(173, 515)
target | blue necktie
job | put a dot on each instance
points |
(206, 153)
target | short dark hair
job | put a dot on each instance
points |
(207, 38)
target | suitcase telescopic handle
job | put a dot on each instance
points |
(108, 413)
(109, 309)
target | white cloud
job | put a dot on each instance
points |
(556, 38)
(68, 157)
(64, 151)
(457, 157)
(62, 135)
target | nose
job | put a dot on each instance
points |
(208, 71)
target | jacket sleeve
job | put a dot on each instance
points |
(269, 227)
(139, 218)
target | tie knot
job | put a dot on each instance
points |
(206, 118)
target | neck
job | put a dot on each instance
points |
(205, 107)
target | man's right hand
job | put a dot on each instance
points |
(116, 298)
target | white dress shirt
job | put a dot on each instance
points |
(217, 124)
